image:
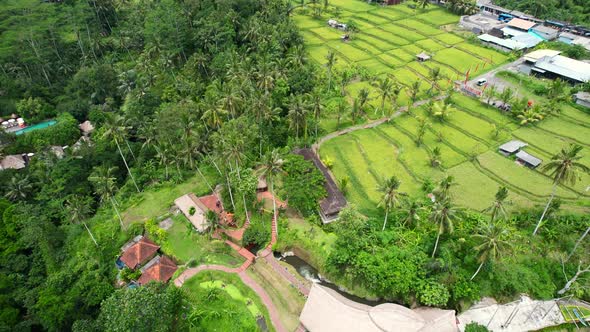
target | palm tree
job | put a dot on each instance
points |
(390, 195)
(18, 187)
(443, 215)
(422, 3)
(507, 95)
(385, 89)
(298, 109)
(79, 209)
(272, 164)
(434, 75)
(435, 157)
(116, 131)
(317, 107)
(213, 222)
(331, 61)
(412, 92)
(422, 127)
(104, 185)
(441, 110)
(497, 209)
(578, 243)
(412, 209)
(444, 188)
(564, 168)
(363, 98)
(491, 92)
(492, 244)
(530, 115)
(341, 109)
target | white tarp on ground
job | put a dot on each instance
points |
(522, 315)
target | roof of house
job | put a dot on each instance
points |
(160, 268)
(14, 161)
(86, 127)
(531, 160)
(423, 55)
(528, 39)
(521, 24)
(566, 67)
(568, 35)
(512, 31)
(512, 146)
(545, 29)
(534, 56)
(334, 200)
(198, 219)
(139, 252)
(507, 43)
(326, 310)
(261, 183)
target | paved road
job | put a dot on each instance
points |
(494, 80)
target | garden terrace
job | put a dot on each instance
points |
(334, 202)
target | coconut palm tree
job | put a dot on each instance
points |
(317, 106)
(103, 181)
(435, 157)
(116, 131)
(384, 87)
(331, 60)
(213, 222)
(578, 243)
(444, 188)
(413, 91)
(79, 209)
(341, 109)
(441, 110)
(363, 98)
(18, 187)
(389, 188)
(498, 209)
(434, 75)
(564, 168)
(298, 110)
(272, 164)
(412, 208)
(493, 243)
(443, 215)
(490, 92)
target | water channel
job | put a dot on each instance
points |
(310, 273)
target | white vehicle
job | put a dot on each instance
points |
(481, 81)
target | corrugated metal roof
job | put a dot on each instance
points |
(529, 40)
(512, 146)
(566, 67)
(507, 43)
(513, 32)
(534, 56)
(531, 160)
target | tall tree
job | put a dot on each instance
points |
(493, 242)
(19, 187)
(116, 130)
(104, 185)
(331, 60)
(443, 215)
(390, 195)
(79, 209)
(298, 110)
(384, 87)
(498, 207)
(434, 74)
(564, 168)
(271, 165)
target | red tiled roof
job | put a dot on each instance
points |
(162, 271)
(139, 253)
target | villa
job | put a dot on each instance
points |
(159, 268)
(195, 210)
(138, 251)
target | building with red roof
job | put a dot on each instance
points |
(201, 206)
(138, 252)
(160, 268)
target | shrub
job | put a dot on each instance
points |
(192, 210)
(328, 162)
(127, 274)
(257, 234)
(431, 293)
(475, 327)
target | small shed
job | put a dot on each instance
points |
(511, 147)
(582, 98)
(422, 57)
(527, 159)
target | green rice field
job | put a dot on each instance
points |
(387, 43)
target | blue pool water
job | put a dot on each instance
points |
(36, 126)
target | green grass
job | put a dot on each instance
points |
(155, 202)
(403, 55)
(568, 314)
(185, 244)
(235, 293)
(403, 32)
(438, 17)
(349, 51)
(392, 39)
(429, 45)
(422, 28)
(459, 60)
(376, 42)
(491, 55)
(226, 309)
(449, 38)
(567, 129)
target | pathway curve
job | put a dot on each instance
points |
(246, 279)
(368, 125)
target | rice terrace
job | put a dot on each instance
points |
(465, 141)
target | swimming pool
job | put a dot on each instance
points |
(36, 126)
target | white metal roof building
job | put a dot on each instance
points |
(534, 56)
(564, 67)
(503, 44)
(512, 146)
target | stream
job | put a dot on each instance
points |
(310, 273)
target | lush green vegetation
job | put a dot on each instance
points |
(575, 11)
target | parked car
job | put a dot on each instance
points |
(481, 81)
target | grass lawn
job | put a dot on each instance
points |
(438, 17)
(568, 312)
(449, 38)
(225, 308)
(185, 245)
(155, 202)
